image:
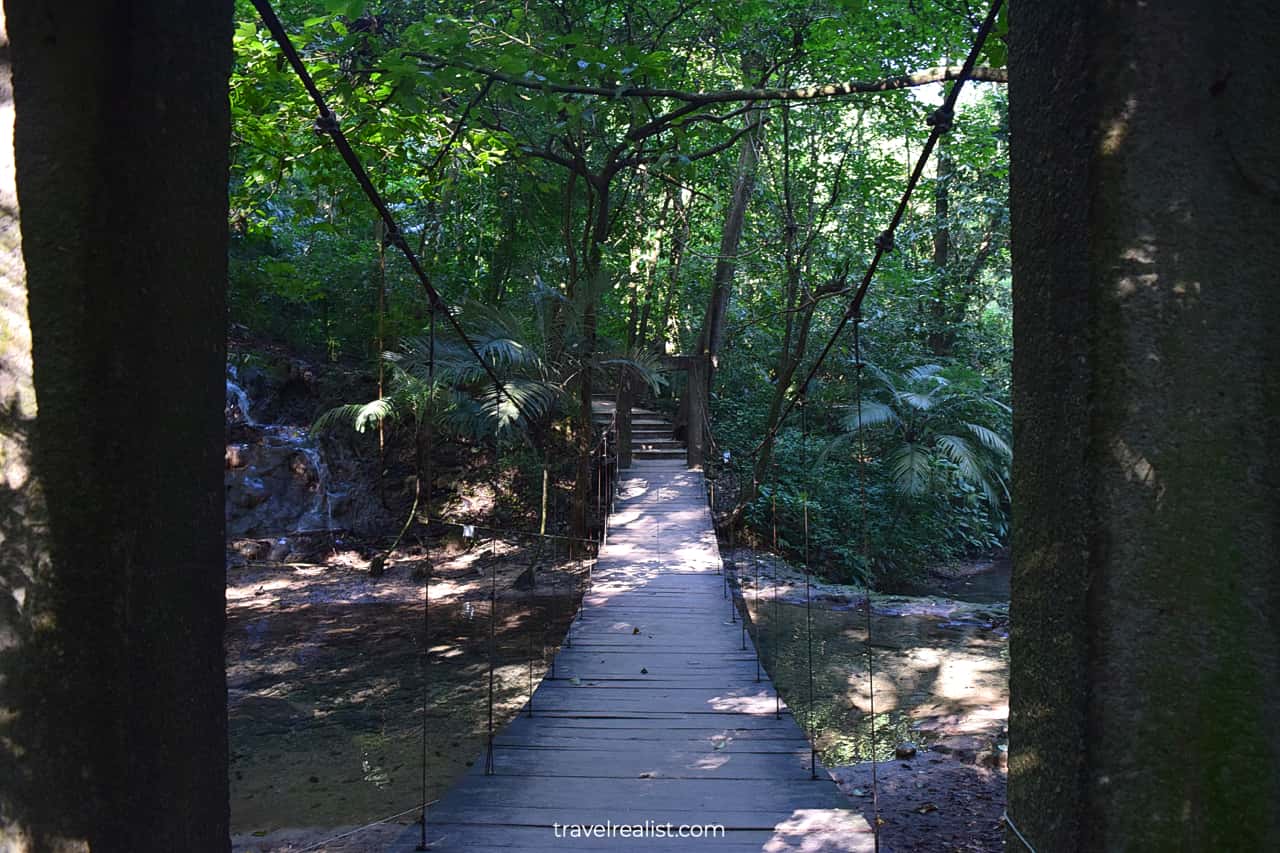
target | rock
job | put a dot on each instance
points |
(995, 758)
(963, 747)
(906, 749)
(251, 493)
(280, 551)
(237, 455)
(252, 549)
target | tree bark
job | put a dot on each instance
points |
(680, 229)
(1145, 653)
(711, 338)
(940, 337)
(114, 727)
(592, 285)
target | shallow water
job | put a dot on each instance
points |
(982, 582)
(326, 701)
(938, 672)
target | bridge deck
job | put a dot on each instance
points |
(655, 715)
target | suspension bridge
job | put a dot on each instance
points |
(656, 719)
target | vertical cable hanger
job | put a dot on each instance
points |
(866, 554)
(530, 620)
(426, 583)
(755, 565)
(493, 613)
(808, 594)
(777, 613)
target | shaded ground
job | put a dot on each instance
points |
(326, 685)
(940, 686)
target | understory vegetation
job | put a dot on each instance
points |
(595, 187)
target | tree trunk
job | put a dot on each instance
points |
(1145, 654)
(115, 718)
(711, 337)
(680, 229)
(695, 405)
(592, 286)
(940, 338)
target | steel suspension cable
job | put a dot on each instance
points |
(327, 122)
(940, 122)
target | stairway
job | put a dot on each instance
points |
(651, 435)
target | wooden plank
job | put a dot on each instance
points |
(654, 712)
(546, 839)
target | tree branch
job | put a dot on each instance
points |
(940, 74)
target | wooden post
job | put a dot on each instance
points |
(625, 401)
(1145, 671)
(696, 407)
(114, 698)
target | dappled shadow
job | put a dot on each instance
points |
(39, 701)
(326, 695)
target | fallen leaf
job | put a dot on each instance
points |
(926, 808)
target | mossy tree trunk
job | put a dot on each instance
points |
(1145, 677)
(114, 732)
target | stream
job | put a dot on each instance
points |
(941, 663)
(325, 697)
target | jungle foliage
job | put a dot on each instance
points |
(569, 186)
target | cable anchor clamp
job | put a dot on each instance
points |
(942, 118)
(326, 123)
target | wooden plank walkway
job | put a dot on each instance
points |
(655, 716)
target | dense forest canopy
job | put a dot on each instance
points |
(594, 185)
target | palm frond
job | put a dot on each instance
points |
(359, 416)
(874, 413)
(880, 375)
(990, 439)
(909, 466)
(642, 366)
(924, 371)
(966, 458)
(921, 402)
